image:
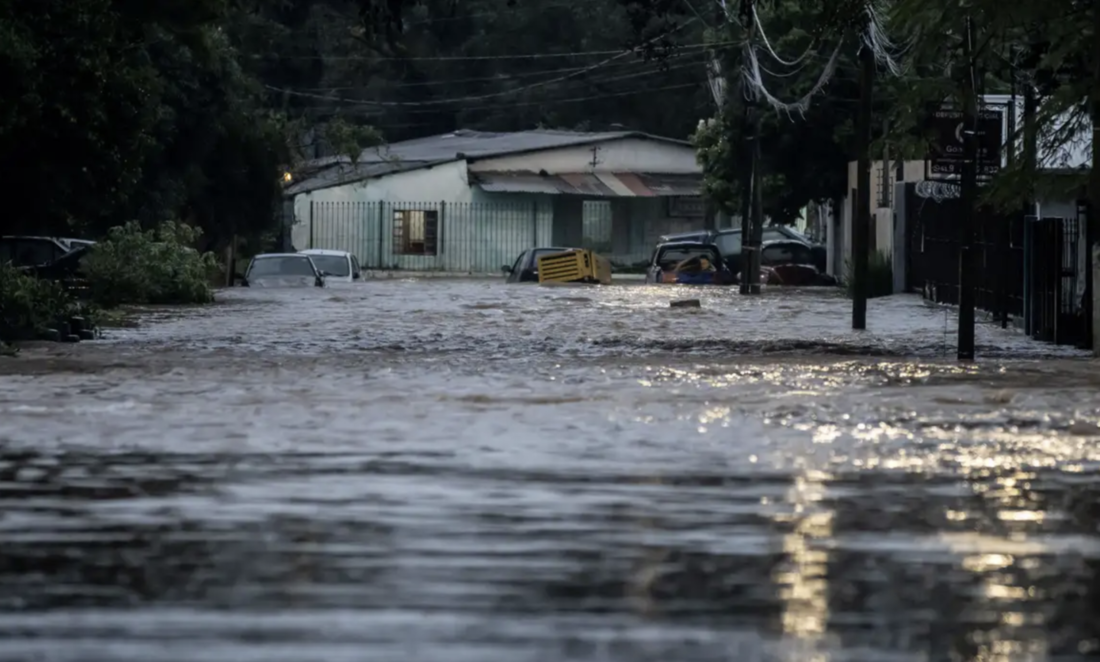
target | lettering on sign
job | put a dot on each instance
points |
(692, 206)
(947, 128)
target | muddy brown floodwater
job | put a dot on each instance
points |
(466, 471)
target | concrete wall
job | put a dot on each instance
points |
(628, 155)
(839, 242)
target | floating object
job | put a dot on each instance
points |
(52, 335)
(574, 267)
(87, 334)
(685, 303)
(72, 338)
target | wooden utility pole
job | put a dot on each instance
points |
(967, 194)
(757, 210)
(750, 273)
(861, 228)
(1092, 222)
(1030, 150)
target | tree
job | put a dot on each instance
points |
(122, 109)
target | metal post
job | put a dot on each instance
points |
(381, 232)
(440, 229)
(862, 228)
(311, 203)
(534, 223)
(967, 194)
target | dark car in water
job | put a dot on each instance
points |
(28, 251)
(791, 263)
(689, 263)
(729, 242)
(282, 270)
(67, 270)
(526, 267)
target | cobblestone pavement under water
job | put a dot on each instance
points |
(466, 471)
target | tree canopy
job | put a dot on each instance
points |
(115, 110)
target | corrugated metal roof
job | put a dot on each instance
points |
(604, 184)
(345, 173)
(463, 144)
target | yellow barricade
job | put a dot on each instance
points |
(575, 267)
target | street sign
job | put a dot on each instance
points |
(945, 153)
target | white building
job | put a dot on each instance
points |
(1053, 156)
(471, 201)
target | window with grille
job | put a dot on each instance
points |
(415, 232)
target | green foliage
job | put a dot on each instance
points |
(158, 266)
(880, 275)
(120, 108)
(29, 306)
(350, 140)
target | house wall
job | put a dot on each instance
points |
(628, 155)
(479, 231)
(839, 244)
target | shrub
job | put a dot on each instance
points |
(29, 306)
(158, 266)
(880, 275)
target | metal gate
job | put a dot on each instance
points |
(1055, 310)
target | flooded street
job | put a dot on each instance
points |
(459, 470)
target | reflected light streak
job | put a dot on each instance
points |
(803, 583)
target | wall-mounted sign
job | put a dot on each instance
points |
(687, 206)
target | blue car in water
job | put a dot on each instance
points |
(689, 263)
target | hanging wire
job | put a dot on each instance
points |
(754, 82)
(716, 81)
(771, 51)
(879, 42)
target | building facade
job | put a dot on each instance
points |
(471, 201)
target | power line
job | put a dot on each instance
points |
(481, 97)
(491, 95)
(479, 79)
(560, 101)
(469, 58)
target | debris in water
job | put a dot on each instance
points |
(685, 303)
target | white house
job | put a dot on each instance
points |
(472, 201)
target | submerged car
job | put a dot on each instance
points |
(526, 267)
(282, 270)
(791, 263)
(689, 263)
(339, 266)
(67, 270)
(729, 242)
(28, 251)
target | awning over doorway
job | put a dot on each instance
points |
(602, 184)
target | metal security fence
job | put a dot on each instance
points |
(1030, 270)
(933, 245)
(1055, 306)
(427, 236)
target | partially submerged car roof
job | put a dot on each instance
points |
(324, 251)
(687, 244)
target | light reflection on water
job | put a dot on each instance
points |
(460, 470)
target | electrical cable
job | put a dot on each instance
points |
(477, 97)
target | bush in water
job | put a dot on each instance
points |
(29, 306)
(132, 266)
